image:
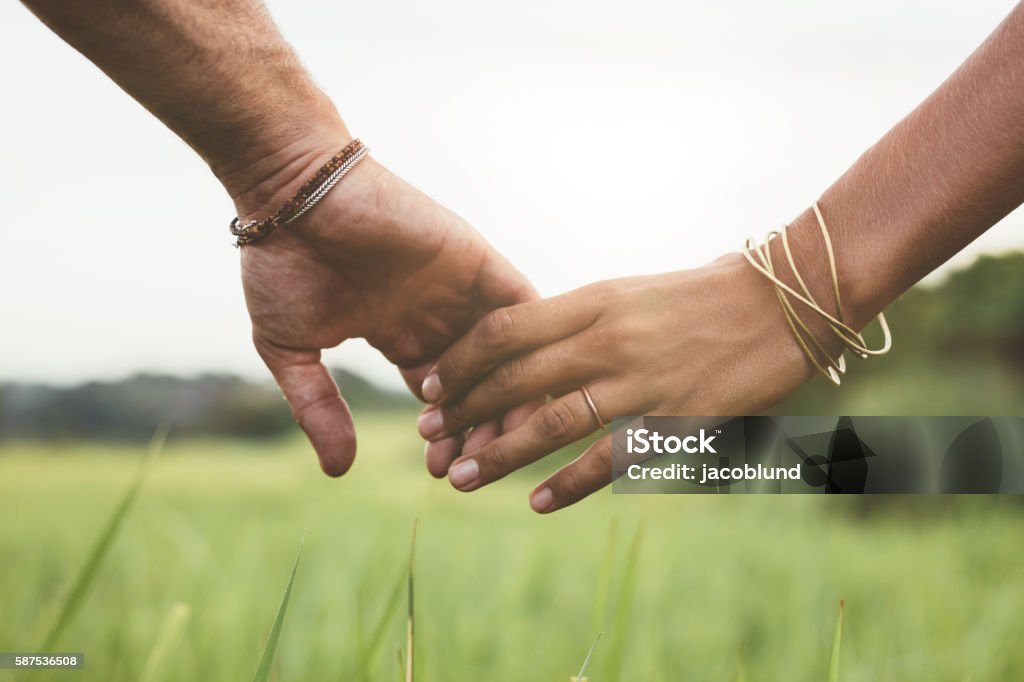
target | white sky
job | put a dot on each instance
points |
(734, 116)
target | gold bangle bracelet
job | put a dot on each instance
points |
(800, 330)
(850, 338)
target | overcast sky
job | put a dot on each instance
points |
(735, 115)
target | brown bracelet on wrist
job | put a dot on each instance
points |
(308, 195)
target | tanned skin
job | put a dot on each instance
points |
(713, 341)
(375, 259)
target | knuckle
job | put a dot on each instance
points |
(457, 414)
(507, 376)
(302, 410)
(497, 459)
(570, 484)
(597, 291)
(499, 328)
(556, 421)
(615, 335)
(621, 345)
(601, 295)
(449, 369)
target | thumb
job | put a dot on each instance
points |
(414, 377)
(316, 404)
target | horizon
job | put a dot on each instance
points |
(937, 279)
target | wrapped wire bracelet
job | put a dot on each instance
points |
(315, 189)
(760, 257)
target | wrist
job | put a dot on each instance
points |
(862, 287)
(755, 334)
(824, 292)
(259, 183)
(798, 332)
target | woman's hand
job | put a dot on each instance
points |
(709, 341)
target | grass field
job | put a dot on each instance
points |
(724, 586)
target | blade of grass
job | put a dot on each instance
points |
(624, 605)
(586, 661)
(167, 639)
(105, 540)
(369, 654)
(410, 620)
(837, 641)
(267, 660)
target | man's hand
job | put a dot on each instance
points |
(375, 259)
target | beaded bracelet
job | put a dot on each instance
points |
(315, 189)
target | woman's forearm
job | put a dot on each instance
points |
(940, 178)
(219, 74)
(937, 180)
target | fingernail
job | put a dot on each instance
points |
(542, 500)
(464, 473)
(430, 423)
(432, 389)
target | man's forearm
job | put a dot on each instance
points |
(941, 177)
(218, 73)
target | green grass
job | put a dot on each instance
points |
(83, 581)
(270, 650)
(837, 644)
(933, 589)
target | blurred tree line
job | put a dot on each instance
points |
(958, 349)
(130, 409)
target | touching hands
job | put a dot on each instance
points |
(376, 259)
(379, 260)
(696, 342)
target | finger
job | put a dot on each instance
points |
(586, 474)
(414, 377)
(551, 370)
(506, 332)
(316, 404)
(445, 450)
(516, 417)
(481, 436)
(553, 426)
(439, 454)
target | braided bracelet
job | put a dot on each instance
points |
(849, 337)
(315, 189)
